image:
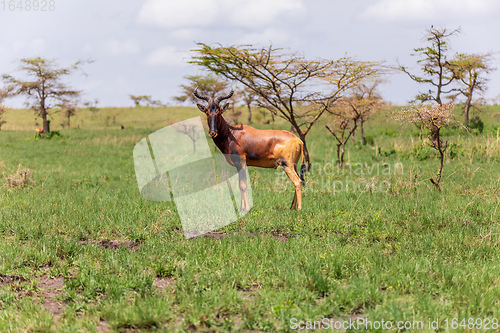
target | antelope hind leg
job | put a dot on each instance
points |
(297, 199)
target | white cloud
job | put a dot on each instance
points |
(167, 56)
(175, 15)
(33, 46)
(186, 34)
(87, 47)
(37, 44)
(18, 45)
(119, 48)
(425, 10)
(261, 12)
(268, 35)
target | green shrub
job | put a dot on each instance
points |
(476, 125)
(388, 132)
(423, 152)
(386, 153)
(370, 140)
(48, 136)
(455, 150)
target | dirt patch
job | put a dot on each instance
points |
(113, 244)
(50, 289)
(4, 279)
(162, 283)
(50, 284)
(101, 326)
(217, 235)
(279, 235)
(249, 293)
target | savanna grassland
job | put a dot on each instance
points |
(81, 251)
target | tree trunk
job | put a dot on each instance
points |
(468, 102)
(438, 176)
(341, 164)
(249, 113)
(467, 106)
(363, 140)
(338, 154)
(45, 122)
(441, 153)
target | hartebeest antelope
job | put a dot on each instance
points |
(39, 131)
(244, 145)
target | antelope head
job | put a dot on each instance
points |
(213, 110)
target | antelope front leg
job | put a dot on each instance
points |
(243, 189)
(242, 176)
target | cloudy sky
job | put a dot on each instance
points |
(141, 47)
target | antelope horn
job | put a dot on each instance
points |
(221, 98)
(207, 99)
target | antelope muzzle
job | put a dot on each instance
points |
(212, 128)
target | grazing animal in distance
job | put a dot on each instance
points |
(39, 131)
(244, 146)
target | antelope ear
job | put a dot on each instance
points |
(202, 108)
(224, 108)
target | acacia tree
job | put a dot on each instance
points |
(207, 85)
(350, 113)
(146, 99)
(363, 101)
(344, 125)
(290, 86)
(44, 88)
(435, 70)
(190, 130)
(69, 108)
(469, 69)
(2, 108)
(434, 118)
(92, 105)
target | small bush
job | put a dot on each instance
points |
(453, 130)
(48, 136)
(423, 152)
(370, 139)
(455, 150)
(386, 153)
(20, 179)
(389, 133)
(476, 125)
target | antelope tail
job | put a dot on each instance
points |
(303, 168)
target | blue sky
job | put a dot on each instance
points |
(142, 47)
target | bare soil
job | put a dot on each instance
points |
(113, 243)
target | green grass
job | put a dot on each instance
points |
(401, 251)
